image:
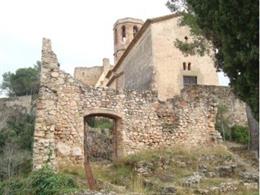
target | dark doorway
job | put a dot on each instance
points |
(101, 137)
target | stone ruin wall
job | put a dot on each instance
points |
(88, 75)
(143, 121)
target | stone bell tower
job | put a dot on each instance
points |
(125, 30)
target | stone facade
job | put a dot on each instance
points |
(106, 68)
(88, 75)
(153, 62)
(146, 58)
(142, 121)
(169, 61)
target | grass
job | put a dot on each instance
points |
(244, 191)
(167, 167)
(211, 182)
(123, 172)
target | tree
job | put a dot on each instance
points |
(25, 81)
(233, 28)
(13, 160)
(16, 140)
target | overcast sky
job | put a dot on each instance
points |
(81, 31)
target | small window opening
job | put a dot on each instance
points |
(184, 65)
(83, 73)
(135, 30)
(186, 38)
(123, 33)
(189, 66)
(189, 80)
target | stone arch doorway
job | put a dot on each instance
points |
(115, 132)
(116, 142)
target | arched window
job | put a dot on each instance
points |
(189, 66)
(135, 30)
(123, 33)
(115, 36)
(184, 65)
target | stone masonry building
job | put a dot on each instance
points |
(146, 58)
(142, 120)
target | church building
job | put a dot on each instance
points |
(146, 58)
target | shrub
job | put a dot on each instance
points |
(240, 134)
(42, 182)
(12, 187)
(45, 182)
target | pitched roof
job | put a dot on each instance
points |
(137, 37)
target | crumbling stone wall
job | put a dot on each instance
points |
(142, 121)
(88, 75)
(224, 97)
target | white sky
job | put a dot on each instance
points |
(81, 31)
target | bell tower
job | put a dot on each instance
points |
(125, 30)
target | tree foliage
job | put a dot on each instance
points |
(25, 81)
(16, 141)
(233, 29)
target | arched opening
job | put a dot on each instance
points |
(89, 120)
(102, 136)
(189, 66)
(184, 65)
(123, 33)
(135, 30)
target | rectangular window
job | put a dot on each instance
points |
(189, 80)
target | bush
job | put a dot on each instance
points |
(45, 182)
(240, 134)
(12, 187)
(42, 182)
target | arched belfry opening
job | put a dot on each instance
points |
(125, 29)
(123, 33)
(102, 136)
(135, 30)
